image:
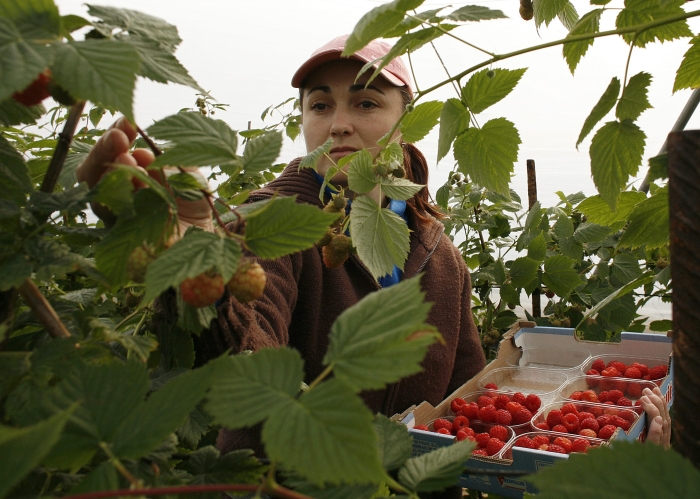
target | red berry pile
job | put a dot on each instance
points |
(636, 370)
(627, 396)
(552, 443)
(586, 420)
(488, 442)
(499, 408)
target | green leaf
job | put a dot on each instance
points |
(560, 276)
(563, 227)
(475, 13)
(284, 226)
(115, 191)
(499, 272)
(625, 268)
(137, 23)
(598, 211)
(21, 61)
(158, 64)
(197, 252)
(182, 181)
(325, 435)
(380, 236)
(523, 270)
(416, 124)
(148, 225)
(377, 22)
(413, 22)
(101, 71)
(262, 151)
(454, 119)
(382, 338)
(135, 345)
(546, 10)
(251, 388)
(658, 167)
(603, 107)
(574, 51)
(361, 175)
(568, 16)
(13, 113)
(199, 141)
(310, 160)
(399, 188)
(13, 271)
(103, 477)
(688, 74)
(164, 411)
(644, 11)
(648, 223)
(616, 153)
(395, 444)
(537, 249)
(625, 469)
(661, 326)
(73, 23)
(36, 19)
(509, 294)
(589, 232)
(207, 466)
(488, 154)
(437, 469)
(483, 91)
(634, 99)
(22, 449)
(14, 175)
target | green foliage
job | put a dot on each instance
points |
(436, 470)
(574, 51)
(643, 11)
(688, 75)
(416, 124)
(603, 107)
(485, 89)
(454, 119)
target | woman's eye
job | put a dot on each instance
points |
(319, 106)
(366, 104)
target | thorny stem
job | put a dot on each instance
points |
(121, 468)
(61, 151)
(43, 310)
(277, 491)
(481, 236)
(151, 145)
(321, 377)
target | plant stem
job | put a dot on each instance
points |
(114, 460)
(393, 484)
(64, 140)
(43, 310)
(321, 377)
(216, 214)
(444, 31)
(140, 323)
(277, 491)
(151, 145)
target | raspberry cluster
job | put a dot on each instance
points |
(551, 443)
(499, 408)
(636, 370)
(489, 442)
(586, 420)
(627, 396)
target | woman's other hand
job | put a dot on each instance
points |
(654, 404)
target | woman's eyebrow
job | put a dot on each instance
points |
(358, 87)
(323, 88)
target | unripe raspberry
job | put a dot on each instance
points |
(248, 283)
(138, 262)
(36, 91)
(337, 251)
(325, 239)
(202, 290)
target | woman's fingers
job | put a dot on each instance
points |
(113, 143)
(655, 434)
(654, 404)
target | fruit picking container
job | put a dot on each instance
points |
(543, 382)
(569, 362)
(628, 360)
(474, 397)
(627, 414)
(508, 450)
(630, 388)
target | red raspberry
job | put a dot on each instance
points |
(337, 251)
(421, 427)
(513, 407)
(598, 365)
(585, 415)
(36, 91)
(619, 366)
(469, 432)
(487, 414)
(533, 403)
(580, 445)
(563, 442)
(606, 432)
(493, 446)
(539, 440)
(592, 382)
(604, 420)
(248, 283)
(522, 416)
(519, 398)
(482, 439)
(658, 372)
(590, 424)
(556, 448)
(569, 409)
(643, 369)
(543, 426)
(457, 404)
(634, 390)
(603, 396)
(587, 432)
(501, 401)
(503, 417)
(560, 428)
(571, 422)
(459, 423)
(202, 290)
(554, 417)
(633, 372)
(621, 423)
(479, 452)
(442, 423)
(463, 435)
(589, 396)
(628, 416)
(610, 372)
(499, 432)
(471, 411)
(576, 395)
(491, 386)
(444, 431)
(525, 442)
(624, 402)
(615, 395)
(484, 400)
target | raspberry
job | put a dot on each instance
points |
(202, 290)
(604, 420)
(501, 401)
(533, 403)
(459, 423)
(539, 440)
(525, 442)
(421, 427)
(658, 372)
(487, 414)
(483, 401)
(543, 426)
(491, 386)
(457, 404)
(603, 396)
(482, 439)
(337, 251)
(589, 396)
(619, 366)
(444, 431)
(560, 428)
(554, 417)
(499, 432)
(585, 415)
(36, 91)
(614, 396)
(592, 382)
(503, 417)
(598, 365)
(469, 432)
(590, 424)
(564, 443)
(519, 398)
(463, 435)
(138, 262)
(643, 369)
(442, 423)
(479, 452)
(621, 423)
(606, 432)
(248, 283)
(513, 407)
(569, 409)
(556, 448)
(634, 390)
(576, 396)
(610, 372)
(470, 411)
(624, 401)
(493, 446)
(522, 416)
(580, 445)
(587, 432)
(571, 422)
(633, 372)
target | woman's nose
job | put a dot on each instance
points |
(341, 124)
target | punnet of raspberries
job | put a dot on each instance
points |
(489, 438)
(586, 420)
(552, 443)
(635, 370)
(508, 409)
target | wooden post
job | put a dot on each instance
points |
(532, 199)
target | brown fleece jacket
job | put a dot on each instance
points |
(303, 298)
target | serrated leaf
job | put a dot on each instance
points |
(589, 232)
(483, 91)
(13, 271)
(380, 236)
(137, 23)
(634, 99)
(251, 388)
(262, 151)
(36, 19)
(560, 276)
(194, 254)
(509, 294)
(475, 13)
(625, 268)
(361, 175)
(14, 113)
(546, 10)
(310, 160)
(616, 153)
(571, 247)
(416, 124)
(661, 326)
(83, 295)
(436, 470)
(207, 466)
(688, 74)
(199, 141)
(537, 249)
(602, 107)
(22, 449)
(400, 188)
(648, 223)
(454, 119)
(21, 61)
(563, 227)
(101, 71)
(395, 444)
(14, 175)
(181, 181)
(499, 272)
(523, 270)
(377, 22)
(158, 64)
(115, 191)
(598, 211)
(574, 51)
(644, 11)
(372, 343)
(416, 20)
(488, 154)
(326, 435)
(103, 477)
(568, 16)
(284, 226)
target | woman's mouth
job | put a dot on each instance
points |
(339, 152)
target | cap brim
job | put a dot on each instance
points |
(333, 55)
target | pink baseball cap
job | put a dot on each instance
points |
(395, 72)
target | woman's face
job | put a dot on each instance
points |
(355, 117)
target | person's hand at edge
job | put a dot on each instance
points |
(654, 404)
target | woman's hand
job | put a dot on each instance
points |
(654, 404)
